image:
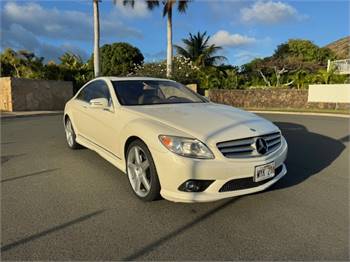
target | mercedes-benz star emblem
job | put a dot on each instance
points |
(261, 146)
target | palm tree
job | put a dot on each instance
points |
(97, 67)
(71, 61)
(197, 48)
(168, 11)
(299, 78)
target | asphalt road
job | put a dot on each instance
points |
(59, 204)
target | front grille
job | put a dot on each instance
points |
(247, 147)
(246, 183)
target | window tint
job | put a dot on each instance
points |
(96, 89)
(147, 92)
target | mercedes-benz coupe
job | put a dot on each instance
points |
(172, 142)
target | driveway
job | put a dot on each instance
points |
(59, 204)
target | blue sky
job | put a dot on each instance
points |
(245, 29)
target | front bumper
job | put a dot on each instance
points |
(174, 170)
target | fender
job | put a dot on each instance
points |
(148, 131)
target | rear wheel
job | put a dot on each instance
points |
(141, 171)
(70, 135)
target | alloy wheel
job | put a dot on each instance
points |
(139, 171)
(69, 133)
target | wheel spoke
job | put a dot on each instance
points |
(137, 184)
(137, 155)
(132, 166)
(145, 165)
(145, 182)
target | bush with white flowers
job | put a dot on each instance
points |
(184, 71)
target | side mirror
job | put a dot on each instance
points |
(101, 103)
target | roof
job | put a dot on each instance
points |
(115, 78)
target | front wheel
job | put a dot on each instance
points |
(141, 171)
(70, 135)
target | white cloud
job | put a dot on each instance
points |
(269, 12)
(19, 38)
(244, 56)
(54, 23)
(224, 38)
(139, 9)
(154, 57)
(24, 25)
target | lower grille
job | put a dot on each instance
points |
(246, 183)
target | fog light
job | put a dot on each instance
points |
(194, 185)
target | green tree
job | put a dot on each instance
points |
(304, 50)
(197, 48)
(168, 11)
(21, 63)
(72, 68)
(10, 63)
(119, 59)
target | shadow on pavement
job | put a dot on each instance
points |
(9, 157)
(29, 175)
(345, 139)
(308, 153)
(150, 247)
(48, 231)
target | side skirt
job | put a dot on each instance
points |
(110, 157)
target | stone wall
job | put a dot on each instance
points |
(271, 98)
(20, 94)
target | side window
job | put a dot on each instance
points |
(86, 93)
(100, 90)
(96, 89)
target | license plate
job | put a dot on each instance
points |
(264, 172)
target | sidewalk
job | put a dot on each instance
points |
(17, 114)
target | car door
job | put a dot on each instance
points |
(104, 123)
(81, 117)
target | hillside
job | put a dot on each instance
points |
(341, 47)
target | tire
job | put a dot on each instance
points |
(70, 135)
(141, 171)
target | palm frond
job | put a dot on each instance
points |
(182, 6)
(197, 48)
(129, 2)
(151, 4)
(182, 51)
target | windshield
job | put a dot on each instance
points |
(148, 92)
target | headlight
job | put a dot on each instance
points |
(187, 147)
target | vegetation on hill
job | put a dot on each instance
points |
(341, 47)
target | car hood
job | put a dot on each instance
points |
(209, 122)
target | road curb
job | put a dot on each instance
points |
(300, 113)
(22, 115)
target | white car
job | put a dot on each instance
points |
(173, 142)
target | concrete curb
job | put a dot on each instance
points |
(300, 113)
(10, 115)
(7, 115)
